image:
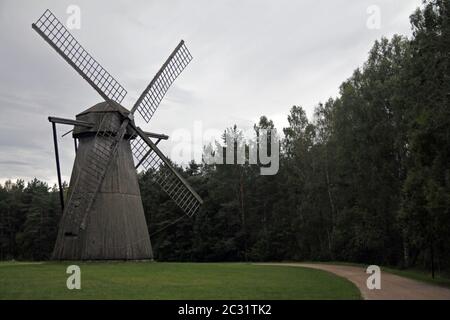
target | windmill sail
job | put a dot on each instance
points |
(147, 154)
(150, 99)
(109, 132)
(60, 39)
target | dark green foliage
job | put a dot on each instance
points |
(28, 220)
(426, 192)
(366, 181)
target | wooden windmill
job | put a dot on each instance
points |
(104, 217)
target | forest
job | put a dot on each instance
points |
(367, 179)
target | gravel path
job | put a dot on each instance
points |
(393, 287)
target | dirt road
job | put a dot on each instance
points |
(393, 287)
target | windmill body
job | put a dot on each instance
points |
(116, 228)
(103, 217)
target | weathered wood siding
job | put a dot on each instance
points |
(116, 227)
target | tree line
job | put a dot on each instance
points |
(366, 180)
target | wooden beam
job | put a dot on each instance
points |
(156, 135)
(58, 169)
(70, 122)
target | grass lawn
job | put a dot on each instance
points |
(420, 275)
(146, 280)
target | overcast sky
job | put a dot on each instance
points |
(251, 58)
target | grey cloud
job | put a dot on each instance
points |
(250, 58)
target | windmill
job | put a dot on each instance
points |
(104, 216)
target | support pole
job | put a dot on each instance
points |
(76, 146)
(58, 169)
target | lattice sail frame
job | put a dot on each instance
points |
(56, 34)
(169, 182)
(150, 99)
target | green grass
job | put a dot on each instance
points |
(141, 280)
(420, 275)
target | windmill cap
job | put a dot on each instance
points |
(105, 106)
(103, 112)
